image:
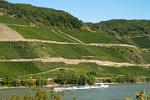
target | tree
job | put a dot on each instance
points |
(7, 81)
(41, 82)
(82, 80)
(16, 82)
(140, 95)
(91, 79)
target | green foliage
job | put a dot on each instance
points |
(143, 42)
(28, 81)
(108, 74)
(72, 77)
(42, 33)
(16, 49)
(7, 81)
(126, 27)
(41, 82)
(34, 50)
(93, 37)
(40, 95)
(11, 20)
(127, 79)
(138, 30)
(38, 15)
(146, 56)
(17, 68)
(16, 83)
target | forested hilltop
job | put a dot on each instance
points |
(51, 17)
(38, 15)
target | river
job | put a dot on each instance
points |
(113, 92)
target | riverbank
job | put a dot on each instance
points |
(65, 86)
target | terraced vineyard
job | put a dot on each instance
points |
(27, 50)
(19, 57)
(142, 42)
(42, 33)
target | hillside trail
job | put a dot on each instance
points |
(79, 41)
(51, 70)
(56, 42)
(7, 33)
(78, 61)
(138, 36)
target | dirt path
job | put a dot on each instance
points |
(56, 42)
(77, 61)
(63, 36)
(44, 72)
(7, 33)
(137, 36)
(18, 25)
(79, 41)
(111, 45)
(148, 49)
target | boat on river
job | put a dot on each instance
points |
(95, 86)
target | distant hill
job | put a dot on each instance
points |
(38, 15)
(125, 27)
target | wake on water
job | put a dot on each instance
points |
(96, 86)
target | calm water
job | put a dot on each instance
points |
(114, 92)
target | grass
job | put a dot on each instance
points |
(118, 54)
(101, 71)
(143, 42)
(43, 33)
(112, 71)
(15, 69)
(146, 56)
(18, 50)
(11, 20)
(12, 50)
(23, 68)
(92, 37)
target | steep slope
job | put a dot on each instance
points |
(38, 15)
(126, 27)
(53, 42)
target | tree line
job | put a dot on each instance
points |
(16, 82)
(75, 78)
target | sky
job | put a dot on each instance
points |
(97, 10)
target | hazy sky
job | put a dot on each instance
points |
(97, 10)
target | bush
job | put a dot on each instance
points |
(127, 79)
(41, 82)
(71, 77)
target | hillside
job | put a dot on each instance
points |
(54, 42)
(37, 15)
(136, 32)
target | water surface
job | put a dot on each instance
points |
(113, 92)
